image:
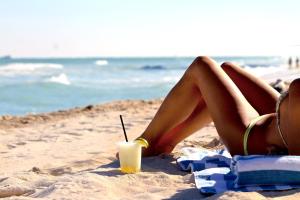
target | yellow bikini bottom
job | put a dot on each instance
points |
(247, 132)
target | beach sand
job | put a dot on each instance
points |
(71, 155)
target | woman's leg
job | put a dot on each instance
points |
(199, 118)
(178, 105)
(220, 95)
(258, 93)
(228, 107)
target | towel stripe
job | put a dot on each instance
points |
(216, 171)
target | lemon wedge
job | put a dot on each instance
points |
(143, 142)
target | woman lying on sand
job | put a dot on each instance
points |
(242, 107)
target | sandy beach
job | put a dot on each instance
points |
(71, 155)
(69, 69)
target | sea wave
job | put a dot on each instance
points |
(153, 67)
(101, 62)
(264, 70)
(15, 69)
(137, 81)
(61, 78)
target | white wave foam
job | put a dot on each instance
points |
(260, 71)
(272, 73)
(171, 79)
(16, 69)
(142, 81)
(101, 62)
(61, 78)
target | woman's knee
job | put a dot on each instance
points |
(232, 70)
(198, 64)
(295, 85)
(203, 61)
(228, 66)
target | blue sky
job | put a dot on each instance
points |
(63, 28)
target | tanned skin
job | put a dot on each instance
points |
(231, 97)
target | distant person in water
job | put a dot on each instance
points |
(250, 116)
(297, 62)
(290, 62)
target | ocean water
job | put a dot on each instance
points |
(35, 85)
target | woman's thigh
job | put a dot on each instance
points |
(229, 109)
(257, 92)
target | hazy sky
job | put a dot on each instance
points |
(149, 27)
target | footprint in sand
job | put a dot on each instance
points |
(92, 115)
(59, 125)
(67, 140)
(82, 123)
(128, 125)
(60, 171)
(20, 143)
(72, 133)
(109, 131)
(95, 152)
(37, 140)
(36, 170)
(21, 155)
(82, 163)
(10, 146)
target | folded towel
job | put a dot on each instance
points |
(266, 170)
(214, 172)
(194, 159)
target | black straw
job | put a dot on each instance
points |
(123, 128)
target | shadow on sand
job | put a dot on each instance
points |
(167, 164)
(277, 194)
(188, 194)
(164, 163)
(110, 169)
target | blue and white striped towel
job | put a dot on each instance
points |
(217, 172)
(266, 170)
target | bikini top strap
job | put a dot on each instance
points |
(281, 136)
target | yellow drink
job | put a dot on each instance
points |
(130, 156)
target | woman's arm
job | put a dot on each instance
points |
(293, 136)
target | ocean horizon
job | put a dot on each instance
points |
(36, 85)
